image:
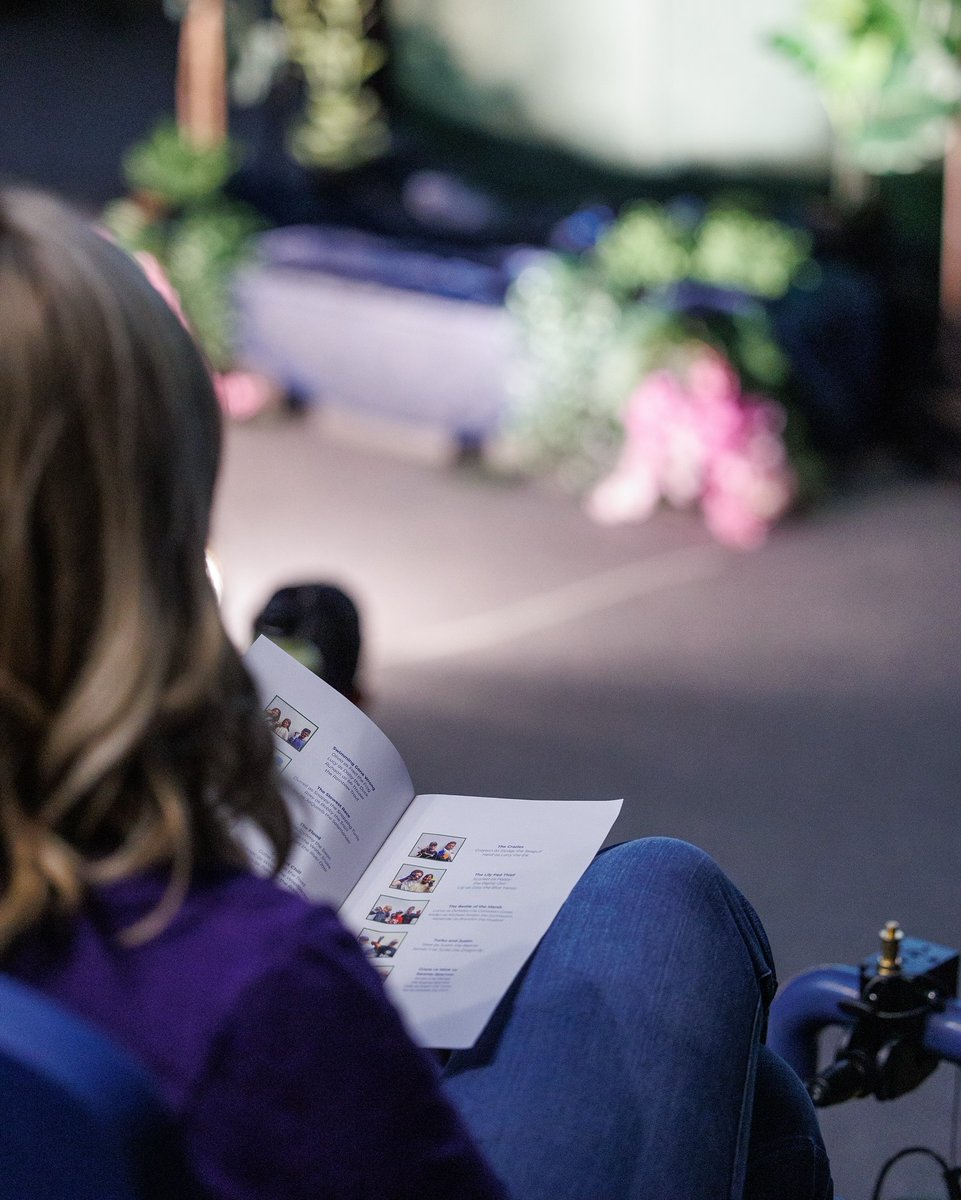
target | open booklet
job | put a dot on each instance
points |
(447, 895)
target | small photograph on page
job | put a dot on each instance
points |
(382, 969)
(286, 723)
(380, 943)
(281, 761)
(417, 879)
(411, 914)
(387, 911)
(441, 847)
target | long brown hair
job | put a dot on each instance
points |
(130, 734)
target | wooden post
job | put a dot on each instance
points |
(950, 293)
(202, 74)
(951, 226)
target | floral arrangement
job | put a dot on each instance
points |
(649, 372)
(692, 437)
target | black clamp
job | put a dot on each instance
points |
(884, 1054)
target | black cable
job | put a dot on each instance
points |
(955, 1117)
(949, 1175)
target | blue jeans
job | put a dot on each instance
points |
(626, 1061)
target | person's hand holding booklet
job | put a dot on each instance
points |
(447, 895)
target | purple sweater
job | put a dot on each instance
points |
(291, 1075)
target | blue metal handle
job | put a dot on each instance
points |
(810, 1002)
(805, 1006)
(942, 1034)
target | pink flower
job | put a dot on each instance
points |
(629, 494)
(701, 440)
(243, 394)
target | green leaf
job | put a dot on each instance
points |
(796, 49)
(169, 166)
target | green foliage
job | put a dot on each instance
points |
(743, 337)
(582, 350)
(590, 328)
(888, 72)
(649, 247)
(645, 248)
(343, 125)
(204, 248)
(735, 249)
(197, 234)
(133, 227)
(170, 167)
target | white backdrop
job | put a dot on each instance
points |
(650, 84)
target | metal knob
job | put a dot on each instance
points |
(889, 961)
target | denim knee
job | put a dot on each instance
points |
(685, 878)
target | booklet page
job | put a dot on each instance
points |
(460, 894)
(346, 784)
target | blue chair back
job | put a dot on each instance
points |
(80, 1119)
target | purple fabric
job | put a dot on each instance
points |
(290, 1074)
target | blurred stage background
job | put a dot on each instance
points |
(796, 710)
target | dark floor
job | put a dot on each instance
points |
(796, 711)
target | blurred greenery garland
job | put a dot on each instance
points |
(178, 212)
(592, 326)
(343, 124)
